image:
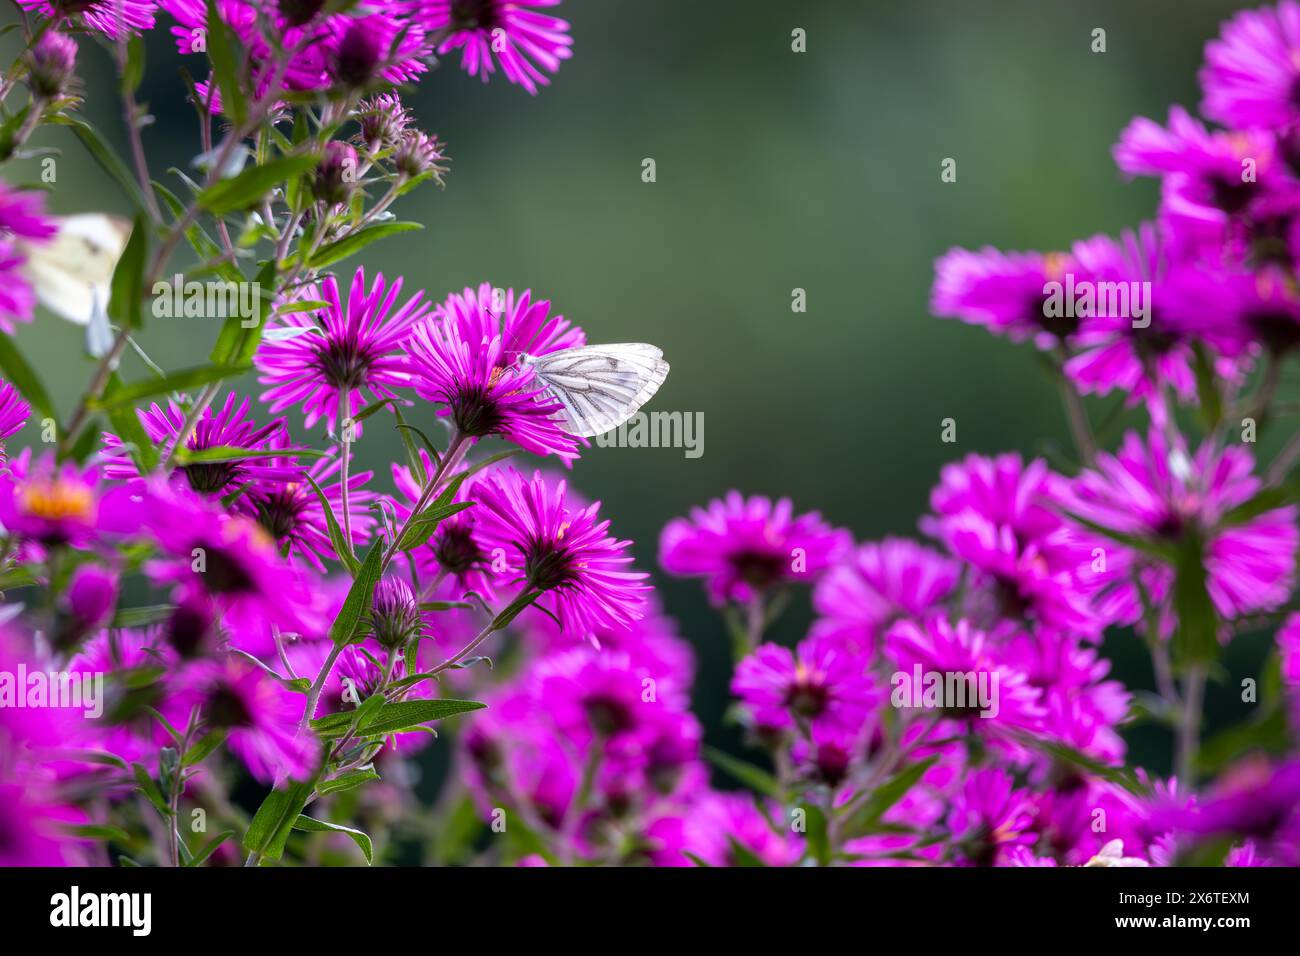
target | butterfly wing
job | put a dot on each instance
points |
(600, 386)
(71, 272)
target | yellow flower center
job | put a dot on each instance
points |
(58, 500)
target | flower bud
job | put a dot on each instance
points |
(419, 153)
(336, 176)
(87, 605)
(51, 64)
(395, 615)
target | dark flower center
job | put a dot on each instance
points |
(187, 630)
(1278, 330)
(759, 569)
(475, 13)
(1230, 193)
(223, 574)
(456, 550)
(475, 413)
(1061, 326)
(226, 709)
(280, 512)
(298, 12)
(344, 364)
(807, 699)
(548, 567)
(607, 715)
(212, 477)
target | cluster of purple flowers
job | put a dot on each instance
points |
(226, 599)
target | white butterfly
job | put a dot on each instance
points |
(599, 386)
(72, 271)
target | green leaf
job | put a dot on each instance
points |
(398, 716)
(270, 826)
(181, 381)
(350, 245)
(353, 778)
(126, 423)
(237, 342)
(1209, 401)
(220, 453)
(225, 65)
(756, 778)
(210, 847)
(347, 627)
(1119, 776)
(250, 186)
(24, 378)
(819, 844)
(208, 743)
(1265, 500)
(142, 616)
(149, 786)
(874, 806)
(108, 160)
(742, 855)
(1197, 636)
(421, 529)
(99, 831)
(342, 547)
(516, 608)
(126, 295)
(1268, 733)
(311, 824)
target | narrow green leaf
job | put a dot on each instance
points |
(422, 528)
(126, 295)
(270, 826)
(108, 160)
(756, 778)
(342, 547)
(222, 47)
(181, 381)
(250, 186)
(24, 378)
(350, 245)
(356, 607)
(210, 847)
(311, 824)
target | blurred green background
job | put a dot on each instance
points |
(775, 170)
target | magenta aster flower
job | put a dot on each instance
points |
(820, 683)
(260, 714)
(1161, 494)
(292, 513)
(1238, 313)
(14, 412)
(52, 504)
(723, 829)
(525, 324)
(482, 394)
(997, 515)
(22, 215)
(228, 427)
(562, 550)
(938, 647)
(1253, 799)
(1208, 177)
(1084, 709)
(109, 17)
(1006, 292)
(232, 561)
(1288, 643)
(746, 546)
(319, 49)
(1252, 70)
(1111, 352)
(879, 584)
(341, 351)
(527, 44)
(989, 818)
(17, 300)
